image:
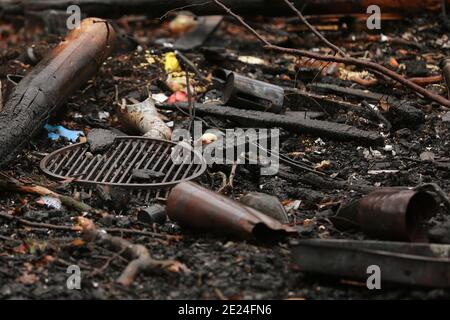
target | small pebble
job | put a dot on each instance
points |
(427, 156)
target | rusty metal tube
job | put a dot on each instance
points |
(396, 214)
(412, 264)
(247, 93)
(193, 206)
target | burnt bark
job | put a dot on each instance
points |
(295, 124)
(47, 86)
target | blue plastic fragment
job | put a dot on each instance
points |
(56, 132)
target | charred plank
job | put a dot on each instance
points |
(47, 86)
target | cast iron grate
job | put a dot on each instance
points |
(116, 167)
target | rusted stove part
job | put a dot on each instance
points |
(193, 206)
(390, 214)
(403, 263)
(396, 214)
(267, 204)
(156, 213)
(221, 75)
(445, 67)
(115, 166)
(435, 189)
(253, 94)
(247, 93)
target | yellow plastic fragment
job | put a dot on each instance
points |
(171, 63)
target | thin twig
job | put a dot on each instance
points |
(143, 233)
(1, 97)
(107, 263)
(377, 114)
(345, 60)
(10, 184)
(191, 105)
(138, 255)
(229, 184)
(314, 30)
(5, 238)
(75, 228)
(223, 176)
(183, 8)
(37, 224)
(191, 65)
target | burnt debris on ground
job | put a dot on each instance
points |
(96, 125)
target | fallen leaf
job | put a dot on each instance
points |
(78, 242)
(323, 165)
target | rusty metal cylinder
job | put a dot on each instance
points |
(396, 214)
(247, 93)
(196, 207)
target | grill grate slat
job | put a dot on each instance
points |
(109, 159)
(138, 165)
(115, 166)
(132, 163)
(75, 163)
(121, 165)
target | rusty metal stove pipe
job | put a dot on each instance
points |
(396, 214)
(247, 93)
(193, 206)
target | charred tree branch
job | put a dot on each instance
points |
(67, 68)
(346, 60)
(8, 183)
(314, 30)
(141, 261)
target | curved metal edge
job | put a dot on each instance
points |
(47, 158)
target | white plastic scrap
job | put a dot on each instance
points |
(388, 148)
(384, 38)
(319, 141)
(103, 115)
(50, 202)
(252, 60)
(375, 172)
(294, 205)
(372, 154)
(160, 97)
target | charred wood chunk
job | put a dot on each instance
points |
(42, 91)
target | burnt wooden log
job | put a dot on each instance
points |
(47, 86)
(157, 8)
(324, 183)
(400, 114)
(298, 124)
